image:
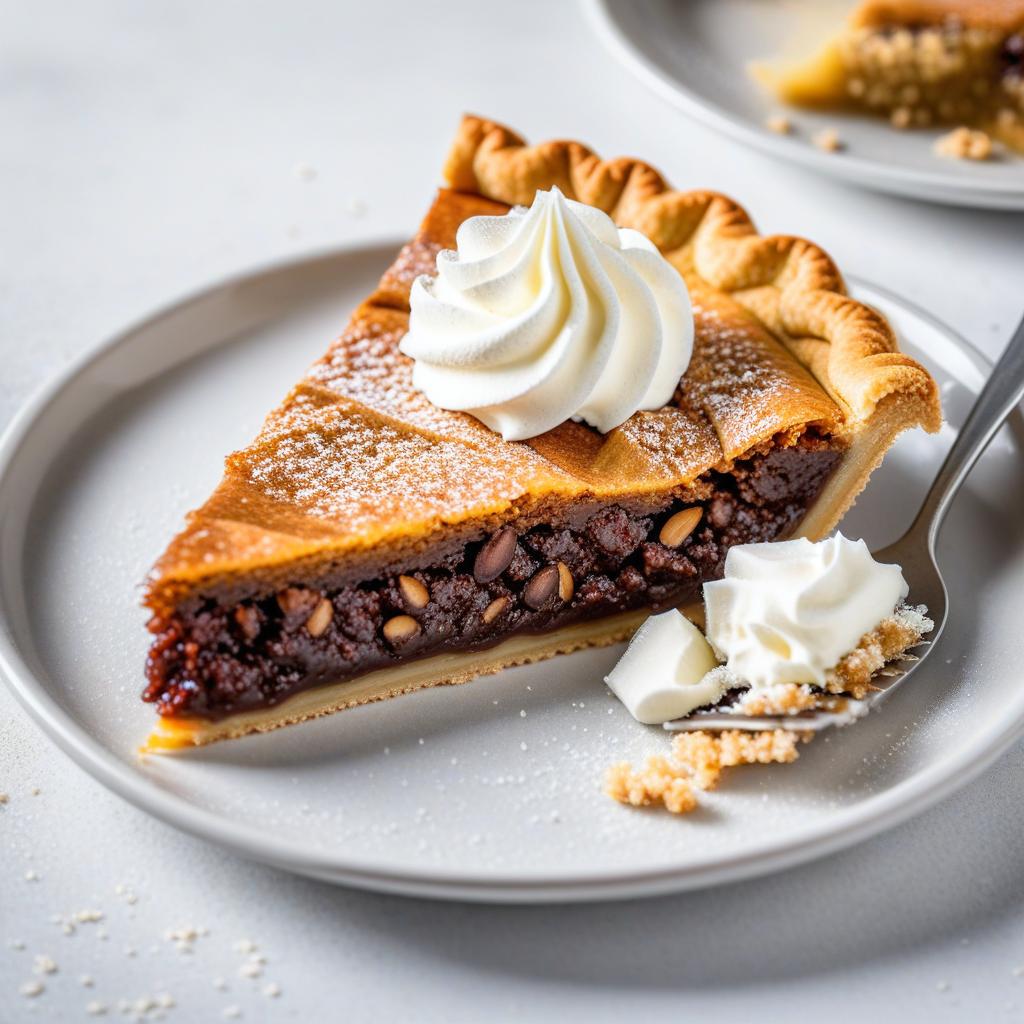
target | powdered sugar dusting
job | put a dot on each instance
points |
(356, 454)
(354, 469)
(914, 618)
(672, 445)
(364, 364)
(749, 386)
(340, 460)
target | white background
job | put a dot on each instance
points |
(148, 149)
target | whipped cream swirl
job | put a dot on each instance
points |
(787, 612)
(549, 314)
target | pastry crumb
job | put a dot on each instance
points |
(44, 964)
(829, 141)
(658, 781)
(696, 763)
(965, 144)
(698, 753)
(775, 746)
(780, 124)
(891, 639)
(705, 754)
(901, 117)
(781, 699)
(184, 938)
(790, 699)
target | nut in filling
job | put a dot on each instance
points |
(566, 585)
(318, 622)
(400, 629)
(495, 556)
(494, 609)
(414, 593)
(678, 527)
(541, 586)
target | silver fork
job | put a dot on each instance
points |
(914, 551)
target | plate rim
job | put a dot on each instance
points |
(851, 825)
(869, 174)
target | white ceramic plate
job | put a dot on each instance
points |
(695, 54)
(490, 791)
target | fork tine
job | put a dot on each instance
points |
(809, 721)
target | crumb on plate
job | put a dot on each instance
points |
(696, 763)
(965, 144)
(828, 141)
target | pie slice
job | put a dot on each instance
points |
(920, 63)
(368, 543)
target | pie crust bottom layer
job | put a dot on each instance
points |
(175, 733)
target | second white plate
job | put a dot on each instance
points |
(695, 54)
(491, 791)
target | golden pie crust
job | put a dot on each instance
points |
(356, 469)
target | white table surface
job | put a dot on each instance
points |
(147, 149)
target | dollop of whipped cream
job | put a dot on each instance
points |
(548, 314)
(787, 612)
(666, 671)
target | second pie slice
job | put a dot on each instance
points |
(920, 63)
(369, 543)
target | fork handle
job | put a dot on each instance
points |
(1001, 394)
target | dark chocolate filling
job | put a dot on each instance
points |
(213, 659)
(1011, 56)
